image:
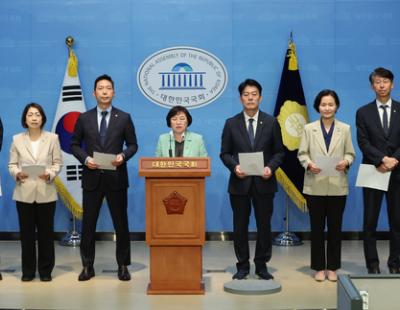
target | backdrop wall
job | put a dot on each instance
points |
(338, 44)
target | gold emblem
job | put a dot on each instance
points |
(175, 203)
(292, 118)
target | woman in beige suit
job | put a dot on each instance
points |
(325, 192)
(35, 193)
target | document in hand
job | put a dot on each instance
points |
(369, 176)
(33, 171)
(104, 160)
(327, 164)
(252, 163)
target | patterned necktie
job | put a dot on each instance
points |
(250, 131)
(385, 121)
(103, 127)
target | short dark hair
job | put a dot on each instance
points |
(382, 72)
(323, 93)
(249, 82)
(25, 112)
(103, 77)
(174, 111)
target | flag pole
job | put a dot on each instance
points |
(291, 113)
(287, 238)
(72, 237)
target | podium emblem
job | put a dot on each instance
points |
(175, 203)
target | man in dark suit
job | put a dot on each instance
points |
(378, 135)
(104, 129)
(252, 131)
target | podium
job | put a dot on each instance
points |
(175, 222)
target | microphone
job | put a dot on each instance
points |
(170, 146)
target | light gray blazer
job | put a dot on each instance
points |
(313, 144)
(49, 154)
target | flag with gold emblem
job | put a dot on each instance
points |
(291, 112)
(70, 105)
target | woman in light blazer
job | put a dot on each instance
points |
(326, 194)
(180, 142)
(35, 195)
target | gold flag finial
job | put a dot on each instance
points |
(69, 41)
(72, 60)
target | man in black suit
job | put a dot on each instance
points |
(104, 129)
(252, 131)
(378, 135)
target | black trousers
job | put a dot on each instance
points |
(329, 210)
(37, 217)
(117, 204)
(241, 207)
(372, 208)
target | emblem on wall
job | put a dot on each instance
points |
(182, 75)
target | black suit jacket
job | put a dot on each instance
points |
(86, 140)
(268, 140)
(373, 142)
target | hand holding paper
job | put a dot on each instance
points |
(252, 163)
(342, 165)
(32, 171)
(328, 164)
(119, 159)
(369, 176)
(91, 164)
(239, 173)
(104, 161)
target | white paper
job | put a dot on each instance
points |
(369, 176)
(327, 165)
(104, 160)
(252, 163)
(33, 171)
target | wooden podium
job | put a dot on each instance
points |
(175, 222)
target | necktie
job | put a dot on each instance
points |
(385, 121)
(250, 131)
(103, 127)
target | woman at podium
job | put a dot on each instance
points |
(326, 153)
(180, 142)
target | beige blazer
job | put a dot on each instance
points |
(49, 154)
(313, 144)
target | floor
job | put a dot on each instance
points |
(289, 265)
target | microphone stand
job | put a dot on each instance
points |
(170, 146)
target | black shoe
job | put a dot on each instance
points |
(374, 270)
(27, 278)
(86, 274)
(123, 273)
(264, 274)
(46, 278)
(241, 275)
(394, 270)
(1, 278)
